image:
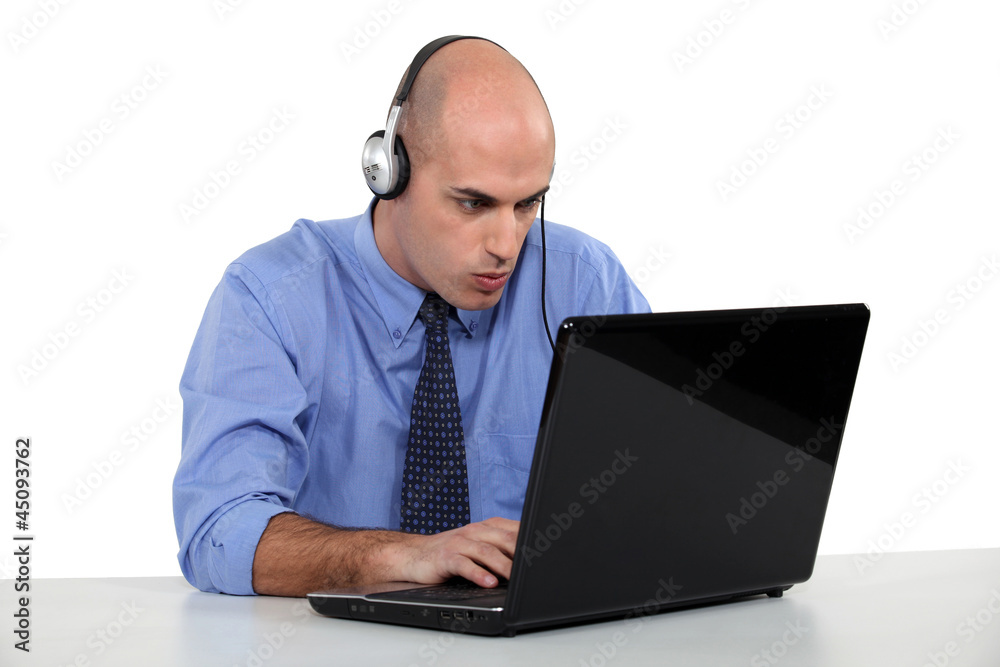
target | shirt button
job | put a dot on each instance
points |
(473, 325)
(397, 334)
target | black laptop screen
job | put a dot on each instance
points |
(684, 456)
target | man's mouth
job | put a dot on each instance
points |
(491, 282)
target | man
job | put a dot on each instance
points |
(299, 390)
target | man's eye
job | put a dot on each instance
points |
(531, 203)
(471, 204)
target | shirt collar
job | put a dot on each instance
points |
(397, 299)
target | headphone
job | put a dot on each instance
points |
(386, 166)
(384, 161)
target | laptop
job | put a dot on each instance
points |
(682, 459)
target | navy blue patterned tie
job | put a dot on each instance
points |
(435, 479)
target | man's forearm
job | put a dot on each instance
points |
(296, 555)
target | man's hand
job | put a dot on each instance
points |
(478, 552)
(296, 555)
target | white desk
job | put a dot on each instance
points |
(897, 612)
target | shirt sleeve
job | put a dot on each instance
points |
(613, 292)
(243, 453)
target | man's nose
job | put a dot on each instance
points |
(501, 239)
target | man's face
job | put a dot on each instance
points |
(467, 208)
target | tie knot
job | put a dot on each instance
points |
(434, 312)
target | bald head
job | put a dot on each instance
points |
(469, 86)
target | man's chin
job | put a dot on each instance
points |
(477, 299)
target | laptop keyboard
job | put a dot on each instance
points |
(455, 592)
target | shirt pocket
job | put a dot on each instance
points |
(505, 466)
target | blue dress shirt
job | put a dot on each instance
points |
(298, 387)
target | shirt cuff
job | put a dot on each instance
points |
(232, 543)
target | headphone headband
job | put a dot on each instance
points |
(418, 62)
(425, 53)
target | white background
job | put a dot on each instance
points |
(662, 135)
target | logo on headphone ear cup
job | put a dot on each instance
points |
(386, 175)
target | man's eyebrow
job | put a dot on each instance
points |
(540, 193)
(473, 193)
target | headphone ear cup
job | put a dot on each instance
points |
(402, 169)
(376, 165)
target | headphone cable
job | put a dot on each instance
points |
(545, 318)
